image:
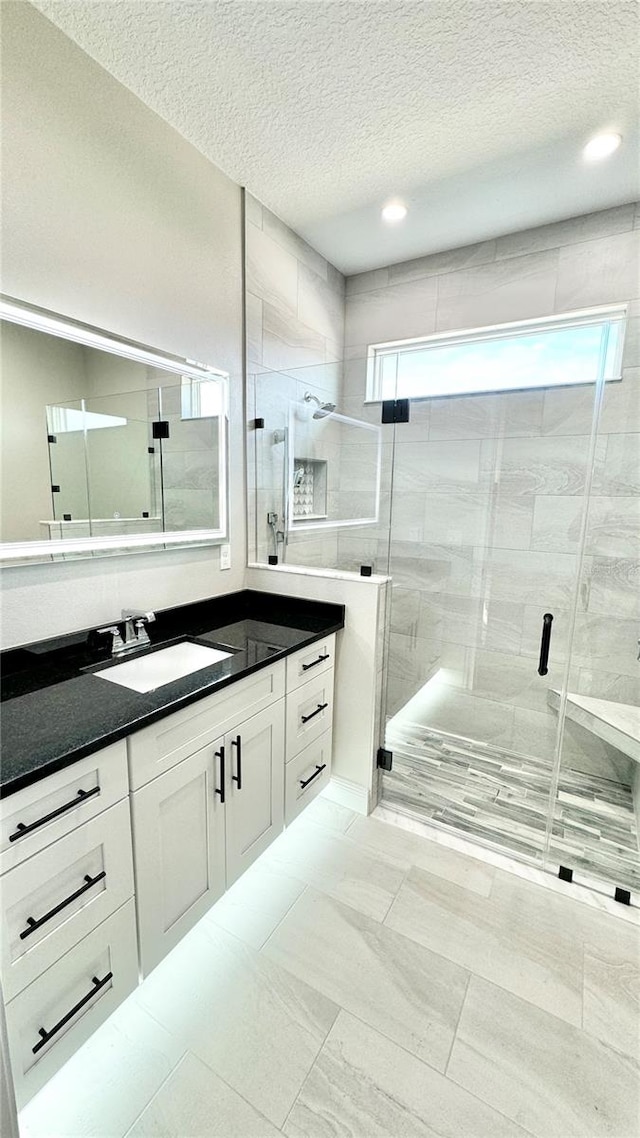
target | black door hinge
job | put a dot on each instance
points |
(395, 411)
(160, 429)
(385, 759)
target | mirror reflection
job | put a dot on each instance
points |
(95, 445)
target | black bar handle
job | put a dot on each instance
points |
(21, 830)
(33, 924)
(305, 667)
(305, 781)
(45, 1035)
(319, 708)
(220, 789)
(237, 778)
(545, 641)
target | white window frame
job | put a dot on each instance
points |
(608, 314)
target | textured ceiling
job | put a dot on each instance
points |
(474, 112)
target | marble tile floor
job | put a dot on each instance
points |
(385, 985)
(502, 798)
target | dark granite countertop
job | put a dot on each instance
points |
(55, 711)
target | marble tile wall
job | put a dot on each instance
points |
(294, 336)
(488, 492)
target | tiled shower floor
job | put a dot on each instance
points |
(502, 799)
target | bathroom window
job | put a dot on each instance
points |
(559, 351)
(201, 398)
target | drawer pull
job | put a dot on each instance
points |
(21, 830)
(45, 1035)
(319, 708)
(237, 778)
(305, 781)
(220, 789)
(36, 924)
(305, 667)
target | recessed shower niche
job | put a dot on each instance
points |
(309, 489)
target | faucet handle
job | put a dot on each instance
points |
(138, 614)
(117, 643)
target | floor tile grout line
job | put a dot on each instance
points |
(233, 1090)
(311, 1068)
(189, 1051)
(419, 1058)
(455, 1033)
(305, 889)
(177, 1064)
(478, 975)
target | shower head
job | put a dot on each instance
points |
(323, 410)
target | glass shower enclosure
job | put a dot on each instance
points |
(494, 478)
(512, 673)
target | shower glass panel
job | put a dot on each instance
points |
(67, 462)
(595, 820)
(316, 473)
(123, 476)
(479, 484)
(191, 455)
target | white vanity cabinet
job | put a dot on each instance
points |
(213, 810)
(67, 916)
(107, 863)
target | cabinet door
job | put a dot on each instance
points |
(179, 853)
(255, 788)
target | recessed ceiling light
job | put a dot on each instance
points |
(601, 146)
(393, 212)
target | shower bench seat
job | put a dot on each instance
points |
(616, 723)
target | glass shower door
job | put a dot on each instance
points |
(593, 828)
(481, 485)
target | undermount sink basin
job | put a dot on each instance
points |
(146, 673)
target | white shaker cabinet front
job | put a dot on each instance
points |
(179, 850)
(255, 796)
(198, 826)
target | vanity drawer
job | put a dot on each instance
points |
(40, 814)
(309, 713)
(50, 902)
(308, 662)
(49, 1020)
(158, 748)
(306, 775)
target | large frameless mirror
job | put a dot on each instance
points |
(107, 445)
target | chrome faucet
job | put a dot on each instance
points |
(135, 632)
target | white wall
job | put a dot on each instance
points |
(110, 217)
(36, 370)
